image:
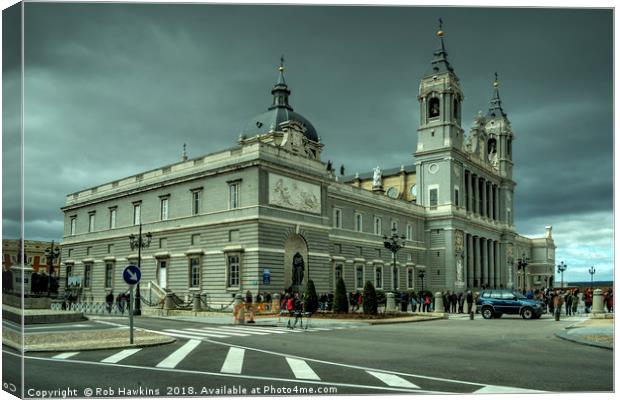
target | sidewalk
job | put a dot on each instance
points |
(591, 332)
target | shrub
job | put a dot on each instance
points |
(341, 303)
(311, 300)
(369, 299)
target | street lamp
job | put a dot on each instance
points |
(521, 264)
(394, 243)
(51, 254)
(591, 271)
(561, 268)
(421, 276)
(139, 243)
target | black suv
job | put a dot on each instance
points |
(494, 303)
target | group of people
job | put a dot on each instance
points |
(292, 305)
(569, 300)
(122, 302)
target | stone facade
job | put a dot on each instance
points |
(240, 219)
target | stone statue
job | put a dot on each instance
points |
(493, 155)
(376, 177)
(459, 270)
(298, 269)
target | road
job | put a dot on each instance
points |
(444, 356)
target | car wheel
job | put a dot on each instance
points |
(487, 313)
(527, 313)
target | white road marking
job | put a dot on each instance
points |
(221, 331)
(121, 355)
(241, 330)
(64, 356)
(175, 358)
(505, 389)
(179, 335)
(234, 361)
(265, 330)
(393, 380)
(203, 334)
(301, 369)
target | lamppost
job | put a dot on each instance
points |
(394, 243)
(421, 276)
(521, 265)
(591, 271)
(561, 268)
(139, 243)
(51, 254)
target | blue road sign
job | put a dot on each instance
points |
(131, 274)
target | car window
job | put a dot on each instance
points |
(485, 294)
(519, 295)
(496, 295)
(508, 296)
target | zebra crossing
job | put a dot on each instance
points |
(222, 331)
(198, 356)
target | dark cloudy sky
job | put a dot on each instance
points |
(112, 90)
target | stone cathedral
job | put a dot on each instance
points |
(269, 213)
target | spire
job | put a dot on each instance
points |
(280, 90)
(440, 62)
(495, 108)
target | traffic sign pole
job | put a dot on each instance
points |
(130, 314)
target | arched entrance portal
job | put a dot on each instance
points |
(296, 268)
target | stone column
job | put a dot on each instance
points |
(491, 263)
(597, 302)
(495, 203)
(485, 262)
(438, 302)
(469, 192)
(477, 274)
(390, 305)
(483, 212)
(498, 272)
(474, 193)
(470, 261)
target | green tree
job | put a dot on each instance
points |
(341, 303)
(311, 300)
(369, 300)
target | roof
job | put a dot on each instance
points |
(271, 120)
(385, 173)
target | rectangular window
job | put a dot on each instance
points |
(164, 209)
(233, 271)
(87, 274)
(109, 274)
(377, 226)
(233, 192)
(73, 223)
(194, 272)
(136, 214)
(378, 277)
(337, 218)
(196, 202)
(359, 276)
(112, 218)
(358, 222)
(337, 273)
(409, 232)
(91, 222)
(456, 197)
(433, 198)
(410, 278)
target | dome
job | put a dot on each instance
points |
(279, 112)
(272, 118)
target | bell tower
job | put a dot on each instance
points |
(440, 98)
(440, 136)
(500, 138)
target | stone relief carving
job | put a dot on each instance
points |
(294, 194)
(458, 242)
(376, 177)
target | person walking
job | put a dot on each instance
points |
(588, 301)
(414, 302)
(609, 300)
(248, 306)
(297, 311)
(109, 300)
(568, 303)
(427, 302)
(461, 302)
(470, 301)
(453, 302)
(558, 300)
(123, 302)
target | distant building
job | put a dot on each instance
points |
(34, 252)
(269, 214)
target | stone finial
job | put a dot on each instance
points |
(548, 231)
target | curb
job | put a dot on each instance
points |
(564, 336)
(387, 322)
(12, 345)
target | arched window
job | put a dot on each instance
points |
(433, 107)
(455, 109)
